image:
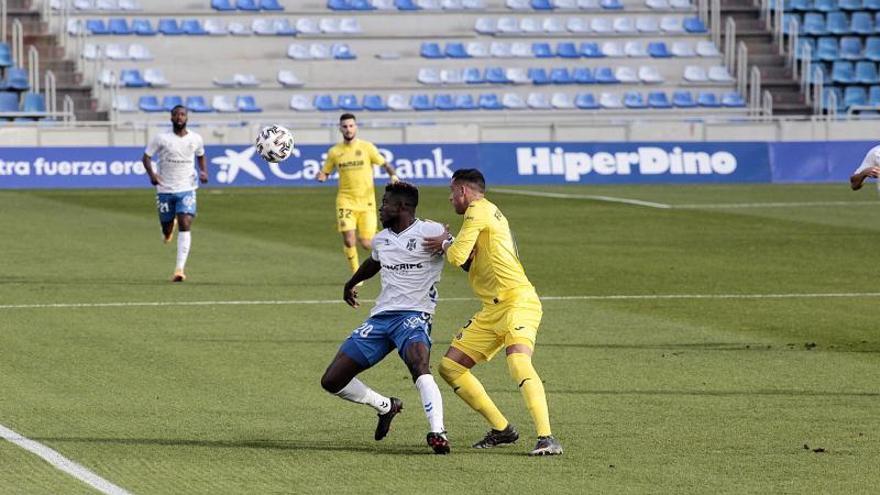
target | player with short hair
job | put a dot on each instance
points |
(509, 317)
(356, 199)
(401, 317)
(176, 182)
(870, 167)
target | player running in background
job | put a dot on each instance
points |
(509, 317)
(401, 317)
(176, 182)
(870, 167)
(356, 198)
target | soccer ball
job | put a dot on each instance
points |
(274, 143)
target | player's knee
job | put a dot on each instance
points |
(330, 383)
(520, 367)
(450, 370)
(366, 243)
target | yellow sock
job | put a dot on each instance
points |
(351, 254)
(521, 369)
(471, 391)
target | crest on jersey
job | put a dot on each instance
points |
(411, 245)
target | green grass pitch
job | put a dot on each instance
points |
(665, 395)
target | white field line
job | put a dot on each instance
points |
(794, 204)
(293, 302)
(607, 199)
(62, 463)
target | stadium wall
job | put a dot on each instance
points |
(503, 163)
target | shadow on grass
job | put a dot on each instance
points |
(716, 393)
(722, 346)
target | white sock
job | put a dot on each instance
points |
(357, 391)
(432, 401)
(183, 241)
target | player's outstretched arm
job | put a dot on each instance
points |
(368, 269)
(858, 179)
(148, 166)
(203, 168)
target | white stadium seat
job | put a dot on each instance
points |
(288, 79)
(553, 25)
(301, 103)
(520, 49)
(518, 4)
(124, 103)
(451, 76)
(483, 25)
(246, 80)
(577, 25)
(670, 24)
(657, 4)
(500, 49)
(237, 28)
(319, 51)
(601, 25)
(683, 49)
(517, 75)
(610, 100)
(538, 101)
(476, 49)
(263, 26)
(626, 75)
(562, 101)
(429, 4)
(588, 4)
(305, 25)
(645, 24)
(613, 49)
(624, 25)
(223, 103)
(429, 75)
(650, 75)
(695, 73)
(706, 48)
(115, 51)
(719, 73)
(216, 27)
(513, 101)
(139, 52)
(298, 52)
(350, 25)
(155, 77)
(635, 49)
(92, 52)
(529, 25)
(329, 25)
(398, 102)
(507, 25)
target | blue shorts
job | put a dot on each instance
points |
(372, 341)
(172, 204)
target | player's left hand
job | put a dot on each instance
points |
(434, 244)
(203, 177)
(350, 295)
(394, 179)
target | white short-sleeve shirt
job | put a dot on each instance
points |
(872, 159)
(174, 157)
(409, 273)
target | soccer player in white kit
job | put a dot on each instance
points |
(870, 167)
(176, 182)
(401, 317)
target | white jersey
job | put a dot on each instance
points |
(872, 159)
(409, 273)
(175, 162)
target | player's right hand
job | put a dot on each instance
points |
(349, 295)
(321, 177)
(154, 180)
(873, 172)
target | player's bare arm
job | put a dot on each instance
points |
(203, 169)
(392, 174)
(148, 166)
(368, 269)
(857, 180)
(435, 244)
(322, 177)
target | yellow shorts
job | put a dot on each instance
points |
(362, 220)
(501, 325)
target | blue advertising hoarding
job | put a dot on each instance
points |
(502, 163)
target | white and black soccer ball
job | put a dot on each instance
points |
(274, 143)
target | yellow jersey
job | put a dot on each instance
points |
(495, 273)
(355, 162)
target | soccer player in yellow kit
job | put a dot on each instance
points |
(356, 198)
(509, 318)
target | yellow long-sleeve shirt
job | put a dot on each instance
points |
(355, 162)
(495, 271)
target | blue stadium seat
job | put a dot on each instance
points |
(340, 5)
(803, 45)
(786, 22)
(490, 101)
(541, 5)
(406, 5)
(851, 48)
(586, 101)
(560, 75)
(5, 55)
(708, 100)
(143, 27)
(325, 103)
(119, 26)
(866, 73)
(348, 102)
(836, 23)
(362, 5)
(169, 27)
(444, 101)
(421, 102)
(658, 49)
(472, 75)
(825, 5)
(132, 78)
(683, 99)
(247, 5)
(590, 49)
(732, 99)
(694, 25)
(843, 72)
(871, 4)
(171, 101)
(567, 49)
(542, 50)
(605, 75)
(97, 26)
(611, 4)
(222, 5)
(341, 51)
(634, 99)
(16, 79)
(465, 102)
(874, 96)
(872, 48)
(33, 103)
(8, 101)
(826, 49)
(800, 5)
(538, 75)
(854, 95)
(271, 5)
(193, 27)
(583, 75)
(658, 99)
(838, 93)
(861, 23)
(149, 103)
(496, 75)
(456, 50)
(197, 104)
(850, 4)
(431, 50)
(814, 24)
(375, 103)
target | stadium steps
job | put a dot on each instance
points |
(764, 54)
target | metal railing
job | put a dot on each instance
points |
(793, 40)
(50, 95)
(742, 64)
(730, 44)
(2, 21)
(818, 90)
(17, 43)
(767, 104)
(755, 103)
(34, 68)
(715, 21)
(69, 113)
